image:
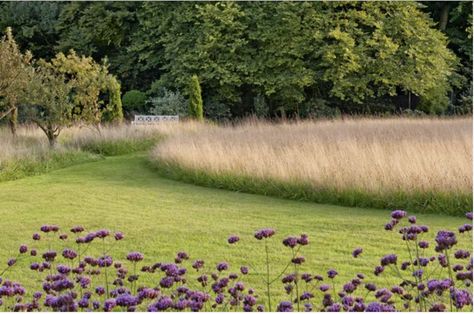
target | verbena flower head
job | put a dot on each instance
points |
(290, 242)
(23, 249)
(303, 239)
(298, 260)
(461, 298)
(233, 239)
(118, 235)
(285, 306)
(412, 219)
(135, 256)
(36, 237)
(357, 252)
(332, 273)
(462, 254)
(423, 244)
(398, 214)
(222, 266)
(349, 287)
(388, 259)
(378, 270)
(469, 215)
(102, 233)
(198, 264)
(465, 228)
(264, 233)
(379, 307)
(69, 254)
(445, 240)
(77, 229)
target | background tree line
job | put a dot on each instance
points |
(269, 59)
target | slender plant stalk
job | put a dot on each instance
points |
(268, 277)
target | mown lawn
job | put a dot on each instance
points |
(160, 217)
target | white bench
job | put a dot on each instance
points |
(144, 119)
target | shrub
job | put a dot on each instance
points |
(72, 281)
(195, 99)
(134, 101)
(217, 111)
(168, 103)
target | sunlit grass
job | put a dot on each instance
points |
(160, 217)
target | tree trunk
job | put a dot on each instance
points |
(13, 121)
(53, 141)
(444, 16)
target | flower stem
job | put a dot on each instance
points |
(268, 277)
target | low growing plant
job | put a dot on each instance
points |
(73, 280)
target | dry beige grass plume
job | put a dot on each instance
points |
(376, 155)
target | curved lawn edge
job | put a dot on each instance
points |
(26, 167)
(88, 152)
(420, 202)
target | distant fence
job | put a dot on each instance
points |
(142, 119)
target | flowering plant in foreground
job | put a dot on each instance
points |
(72, 280)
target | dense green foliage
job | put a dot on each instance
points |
(269, 59)
(134, 101)
(195, 99)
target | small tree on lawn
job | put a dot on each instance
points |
(50, 102)
(195, 99)
(92, 82)
(15, 73)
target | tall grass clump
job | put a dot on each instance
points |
(424, 164)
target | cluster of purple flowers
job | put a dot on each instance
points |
(74, 282)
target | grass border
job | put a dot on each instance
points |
(25, 167)
(455, 204)
(88, 152)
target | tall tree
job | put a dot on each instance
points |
(15, 73)
(103, 30)
(34, 24)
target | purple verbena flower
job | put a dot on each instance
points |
(233, 239)
(445, 240)
(222, 266)
(388, 259)
(285, 306)
(264, 233)
(134, 256)
(398, 214)
(332, 273)
(356, 252)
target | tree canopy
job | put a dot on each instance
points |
(281, 58)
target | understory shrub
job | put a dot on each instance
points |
(73, 280)
(168, 103)
(134, 101)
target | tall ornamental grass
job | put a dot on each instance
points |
(422, 163)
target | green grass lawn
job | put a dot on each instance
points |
(160, 217)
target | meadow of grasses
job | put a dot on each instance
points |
(421, 164)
